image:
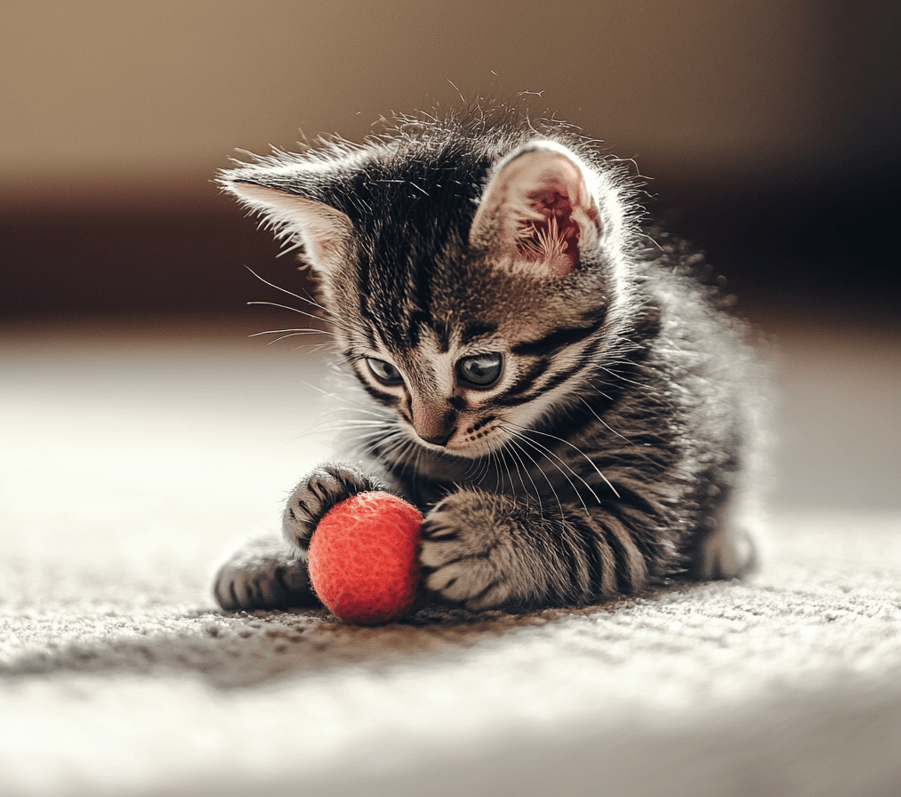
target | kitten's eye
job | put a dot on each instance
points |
(481, 370)
(386, 373)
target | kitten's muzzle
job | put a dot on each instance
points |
(434, 426)
(439, 440)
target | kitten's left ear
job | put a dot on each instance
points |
(539, 210)
(324, 231)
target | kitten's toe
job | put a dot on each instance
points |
(262, 575)
(316, 494)
(471, 585)
(461, 562)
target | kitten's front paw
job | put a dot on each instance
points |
(317, 494)
(262, 574)
(467, 552)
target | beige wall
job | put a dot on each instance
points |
(100, 92)
(771, 125)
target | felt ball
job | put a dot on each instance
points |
(364, 558)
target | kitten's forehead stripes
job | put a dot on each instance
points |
(524, 383)
(559, 338)
(473, 330)
(421, 323)
(533, 388)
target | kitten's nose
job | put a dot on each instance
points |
(434, 425)
(438, 440)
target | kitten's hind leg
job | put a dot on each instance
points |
(263, 574)
(726, 552)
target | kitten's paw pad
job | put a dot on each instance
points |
(464, 553)
(261, 575)
(316, 495)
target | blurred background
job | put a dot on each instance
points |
(769, 130)
(143, 432)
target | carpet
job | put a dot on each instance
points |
(133, 457)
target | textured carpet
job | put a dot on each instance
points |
(131, 459)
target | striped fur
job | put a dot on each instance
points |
(555, 387)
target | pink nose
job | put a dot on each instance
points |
(438, 440)
(435, 426)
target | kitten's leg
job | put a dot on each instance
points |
(271, 573)
(316, 494)
(484, 550)
(263, 573)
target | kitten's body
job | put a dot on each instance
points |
(555, 389)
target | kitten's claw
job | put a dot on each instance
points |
(315, 495)
(467, 559)
(263, 574)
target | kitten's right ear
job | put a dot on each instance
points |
(540, 210)
(324, 231)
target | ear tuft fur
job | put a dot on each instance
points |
(539, 211)
(323, 231)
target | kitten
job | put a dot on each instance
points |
(553, 386)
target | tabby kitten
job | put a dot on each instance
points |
(555, 388)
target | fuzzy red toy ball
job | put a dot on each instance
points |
(364, 563)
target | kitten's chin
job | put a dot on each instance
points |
(451, 450)
(466, 452)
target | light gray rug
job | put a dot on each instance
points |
(130, 461)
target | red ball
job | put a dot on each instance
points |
(364, 558)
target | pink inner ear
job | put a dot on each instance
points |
(554, 239)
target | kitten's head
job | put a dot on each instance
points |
(476, 271)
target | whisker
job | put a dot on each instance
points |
(514, 442)
(639, 451)
(503, 457)
(493, 463)
(334, 427)
(550, 454)
(479, 468)
(308, 299)
(331, 319)
(583, 455)
(313, 348)
(398, 451)
(308, 331)
(623, 378)
(286, 307)
(356, 407)
(517, 462)
(596, 389)
(298, 333)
